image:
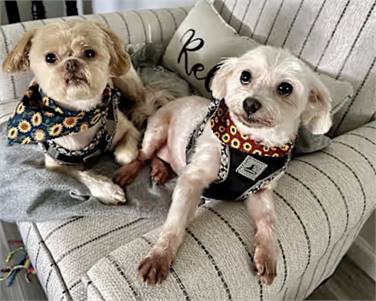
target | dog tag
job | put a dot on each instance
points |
(251, 168)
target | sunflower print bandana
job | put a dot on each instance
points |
(226, 131)
(38, 118)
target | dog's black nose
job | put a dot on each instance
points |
(71, 65)
(251, 105)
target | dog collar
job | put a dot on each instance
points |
(227, 132)
(38, 118)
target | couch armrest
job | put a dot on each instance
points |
(134, 27)
(321, 203)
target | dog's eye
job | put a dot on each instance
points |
(284, 89)
(50, 58)
(89, 53)
(245, 77)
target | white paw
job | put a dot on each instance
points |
(108, 192)
(125, 155)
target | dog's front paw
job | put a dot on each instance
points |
(265, 263)
(161, 172)
(127, 173)
(109, 193)
(155, 266)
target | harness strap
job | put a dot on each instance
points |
(71, 159)
(101, 143)
(213, 105)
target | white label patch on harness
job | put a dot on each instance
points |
(251, 168)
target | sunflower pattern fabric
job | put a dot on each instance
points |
(38, 118)
(226, 131)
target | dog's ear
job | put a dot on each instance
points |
(316, 117)
(120, 61)
(18, 59)
(218, 85)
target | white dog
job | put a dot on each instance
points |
(264, 96)
(72, 107)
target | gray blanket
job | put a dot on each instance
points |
(30, 192)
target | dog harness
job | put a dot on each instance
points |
(246, 165)
(38, 120)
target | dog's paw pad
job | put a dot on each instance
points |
(154, 268)
(161, 172)
(265, 264)
(127, 173)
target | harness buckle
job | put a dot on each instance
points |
(52, 152)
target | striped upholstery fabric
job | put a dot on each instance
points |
(321, 206)
(63, 251)
(335, 37)
(322, 203)
(134, 27)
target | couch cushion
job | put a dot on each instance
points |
(7, 108)
(62, 251)
(336, 37)
(321, 204)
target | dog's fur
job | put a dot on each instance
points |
(81, 89)
(274, 124)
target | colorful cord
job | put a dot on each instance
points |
(9, 273)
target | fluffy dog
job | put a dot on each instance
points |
(267, 93)
(77, 65)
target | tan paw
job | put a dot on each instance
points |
(265, 263)
(127, 173)
(161, 172)
(155, 266)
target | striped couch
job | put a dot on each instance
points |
(322, 201)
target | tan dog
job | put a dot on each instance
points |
(73, 62)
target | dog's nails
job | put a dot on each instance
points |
(119, 196)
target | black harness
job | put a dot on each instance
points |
(101, 143)
(240, 173)
(243, 174)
